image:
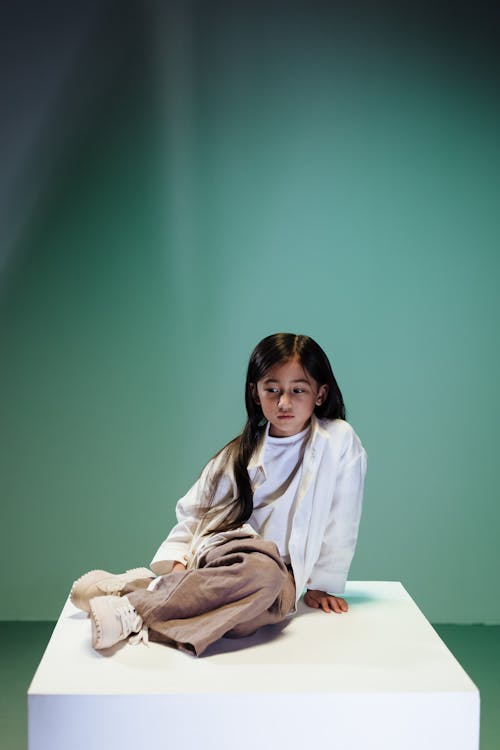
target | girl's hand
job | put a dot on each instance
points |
(327, 602)
(178, 566)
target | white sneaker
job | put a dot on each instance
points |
(113, 619)
(100, 583)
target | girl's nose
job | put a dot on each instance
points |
(284, 401)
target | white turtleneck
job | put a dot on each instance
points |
(274, 500)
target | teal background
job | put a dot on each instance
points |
(182, 179)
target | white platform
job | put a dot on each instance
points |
(377, 678)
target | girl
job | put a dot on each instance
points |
(275, 512)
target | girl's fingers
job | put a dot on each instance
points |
(325, 604)
(339, 605)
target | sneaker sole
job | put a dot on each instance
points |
(97, 629)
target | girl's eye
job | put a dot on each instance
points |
(295, 390)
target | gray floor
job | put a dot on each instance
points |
(476, 647)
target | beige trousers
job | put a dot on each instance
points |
(238, 587)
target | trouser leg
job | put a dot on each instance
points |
(279, 609)
(239, 586)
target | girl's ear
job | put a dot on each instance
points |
(322, 394)
(253, 389)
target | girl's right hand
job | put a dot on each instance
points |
(327, 602)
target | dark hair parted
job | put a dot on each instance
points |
(272, 350)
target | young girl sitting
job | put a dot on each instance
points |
(275, 512)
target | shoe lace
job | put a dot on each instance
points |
(131, 622)
(141, 637)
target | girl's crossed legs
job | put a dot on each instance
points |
(238, 587)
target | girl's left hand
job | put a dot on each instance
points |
(327, 602)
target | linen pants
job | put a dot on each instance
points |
(238, 587)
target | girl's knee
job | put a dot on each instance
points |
(269, 572)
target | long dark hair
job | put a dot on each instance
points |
(272, 350)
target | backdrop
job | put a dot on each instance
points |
(180, 179)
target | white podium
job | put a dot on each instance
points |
(376, 678)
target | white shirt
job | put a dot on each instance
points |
(274, 500)
(326, 515)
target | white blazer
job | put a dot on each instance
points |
(326, 519)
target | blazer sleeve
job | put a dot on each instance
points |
(190, 525)
(341, 532)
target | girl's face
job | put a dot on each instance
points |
(287, 395)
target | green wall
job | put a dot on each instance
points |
(221, 171)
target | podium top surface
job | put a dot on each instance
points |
(384, 644)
